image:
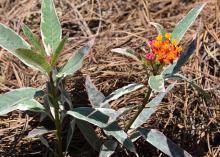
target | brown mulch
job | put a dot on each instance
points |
(184, 116)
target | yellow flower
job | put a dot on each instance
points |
(179, 48)
(167, 35)
(174, 42)
(159, 37)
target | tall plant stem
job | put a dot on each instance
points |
(54, 96)
(140, 108)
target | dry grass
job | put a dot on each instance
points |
(184, 116)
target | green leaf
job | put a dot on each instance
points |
(151, 107)
(185, 23)
(90, 115)
(58, 51)
(108, 148)
(75, 62)
(120, 112)
(161, 142)
(109, 112)
(114, 130)
(156, 83)
(159, 28)
(89, 134)
(34, 60)
(31, 105)
(10, 40)
(51, 31)
(95, 96)
(33, 39)
(125, 51)
(115, 115)
(11, 100)
(122, 91)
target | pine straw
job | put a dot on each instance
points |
(184, 115)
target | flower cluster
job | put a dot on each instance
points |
(163, 49)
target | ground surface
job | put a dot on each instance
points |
(184, 116)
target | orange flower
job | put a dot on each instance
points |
(165, 50)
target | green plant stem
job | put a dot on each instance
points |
(58, 124)
(140, 108)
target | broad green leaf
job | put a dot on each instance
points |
(51, 31)
(122, 91)
(95, 96)
(156, 83)
(11, 100)
(115, 115)
(114, 130)
(33, 39)
(120, 112)
(75, 62)
(38, 132)
(10, 40)
(31, 105)
(161, 142)
(125, 51)
(151, 107)
(36, 61)
(181, 28)
(109, 112)
(159, 28)
(108, 148)
(58, 51)
(89, 134)
(90, 115)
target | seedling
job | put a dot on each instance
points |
(43, 56)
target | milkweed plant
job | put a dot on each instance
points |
(162, 63)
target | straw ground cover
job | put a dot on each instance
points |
(188, 120)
